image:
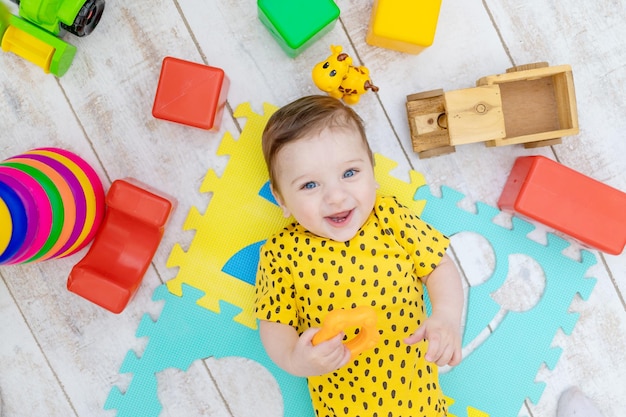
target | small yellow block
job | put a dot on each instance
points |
(403, 25)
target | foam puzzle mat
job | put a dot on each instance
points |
(208, 309)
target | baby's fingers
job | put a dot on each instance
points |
(434, 348)
(443, 353)
(344, 358)
(416, 337)
(444, 356)
(307, 336)
(457, 356)
(333, 353)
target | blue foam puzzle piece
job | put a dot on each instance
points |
(499, 375)
(266, 193)
(243, 264)
(184, 333)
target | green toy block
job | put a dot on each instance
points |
(297, 24)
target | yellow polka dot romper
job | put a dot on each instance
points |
(302, 277)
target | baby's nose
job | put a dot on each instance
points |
(335, 194)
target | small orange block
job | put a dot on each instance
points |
(191, 94)
(403, 25)
(568, 201)
(123, 248)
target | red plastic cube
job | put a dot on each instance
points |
(568, 201)
(191, 94)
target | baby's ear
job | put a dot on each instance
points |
(279, 200)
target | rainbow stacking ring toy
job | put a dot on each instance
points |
(51, 205)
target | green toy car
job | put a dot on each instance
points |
(36, 33)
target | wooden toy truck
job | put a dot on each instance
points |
(533, 104)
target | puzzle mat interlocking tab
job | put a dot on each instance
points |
(208, 308)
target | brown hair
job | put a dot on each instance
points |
(305, 116)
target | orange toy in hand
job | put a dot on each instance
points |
(338, 320)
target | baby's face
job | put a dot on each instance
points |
(326, 181)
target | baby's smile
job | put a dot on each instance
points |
(340, 218)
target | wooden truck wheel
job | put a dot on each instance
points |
(525, 67)
(443, 150)
(539, 144)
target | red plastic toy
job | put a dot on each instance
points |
(568, 201)
(123, 248)
(191, 94)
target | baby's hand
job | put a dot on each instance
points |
(444, 340)
(320, 359)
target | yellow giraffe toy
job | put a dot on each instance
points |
(340, 79)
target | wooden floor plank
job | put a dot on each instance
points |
(38, 391)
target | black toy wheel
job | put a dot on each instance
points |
(87, 19)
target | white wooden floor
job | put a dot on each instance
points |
(60, 355)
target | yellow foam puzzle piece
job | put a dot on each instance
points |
(235, 218)
(471, 411)
(390, 185)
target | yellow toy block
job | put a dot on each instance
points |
(403, 25)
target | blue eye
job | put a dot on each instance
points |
(309, 185)
(349, 173)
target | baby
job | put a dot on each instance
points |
(350, 246)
